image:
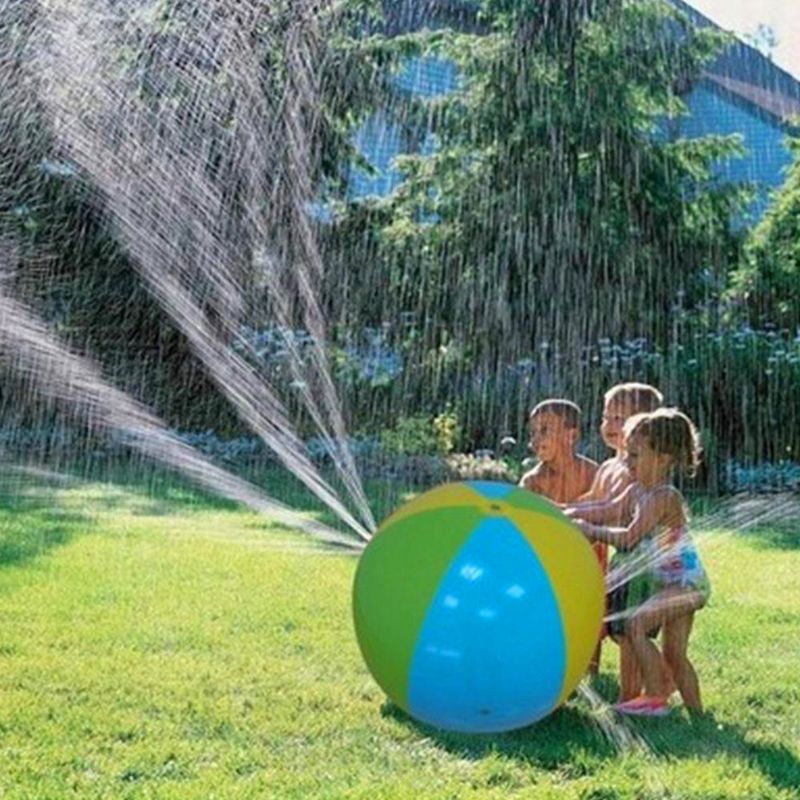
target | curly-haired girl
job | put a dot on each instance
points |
(656, 554)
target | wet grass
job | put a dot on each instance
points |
(153, 644)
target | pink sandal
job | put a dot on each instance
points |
(643, 706)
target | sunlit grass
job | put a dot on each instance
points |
(155, 645)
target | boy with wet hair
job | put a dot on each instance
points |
(613, 477)
(561, 474)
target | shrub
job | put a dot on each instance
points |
(413, 435)
(470, 467)
(446, 430)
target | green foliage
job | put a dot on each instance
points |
(553, 180)
(554, 212)
(738, 381)
(414, 435)
(767, 284)
(557, 213)
(446, 429)
(65, 259)
(422, 434)
(732, 380)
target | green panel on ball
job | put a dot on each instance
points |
(396, 581)
(527, 500)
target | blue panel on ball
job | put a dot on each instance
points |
(491, 654)
(490, 489)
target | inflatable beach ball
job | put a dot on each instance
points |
(478, 606)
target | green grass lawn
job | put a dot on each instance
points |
(156, 645)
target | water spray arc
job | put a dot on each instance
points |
(176, 222)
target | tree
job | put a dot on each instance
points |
(170, 85)
(766, 285)
(555, 206)
(764, 39)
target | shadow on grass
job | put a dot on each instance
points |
(139, 488)
(31, 520)
(702, 735)
(160, 491)
(165, 492)
(783, 535)
(572, 740)
(569, 739)
(771, 521)
(175, 491)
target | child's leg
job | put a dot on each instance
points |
(601, 551)
(594, 664)
(676, 642)
(668, 605)
(630, 676)
(648, 659)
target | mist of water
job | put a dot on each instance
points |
(615, 729)
(189, 236)
(27, 345)
(739, 514)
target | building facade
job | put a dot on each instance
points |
(741, 92)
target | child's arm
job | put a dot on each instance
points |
(601, 512)
(531, 481)
(663, 509)
(588, 475)
(595, 492)
(611, 511)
